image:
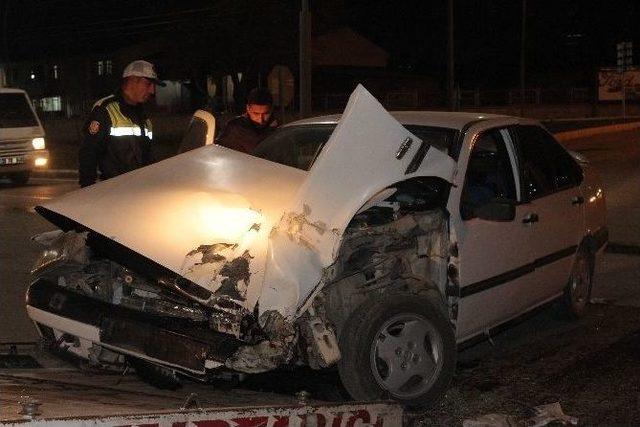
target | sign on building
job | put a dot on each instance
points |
(610, 84)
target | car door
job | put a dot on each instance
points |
(550, 186)
(494, 256)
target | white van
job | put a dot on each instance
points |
(22, 146)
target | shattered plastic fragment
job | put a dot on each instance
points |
(545, 414)
(267, 354)
(62, 248)
(493, 420)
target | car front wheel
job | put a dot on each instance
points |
(402, 347)
(578, 289)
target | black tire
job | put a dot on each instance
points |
(20, 178)
(577, 292)
(423, 372)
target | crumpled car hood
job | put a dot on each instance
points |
(266, 229)
(212, 195)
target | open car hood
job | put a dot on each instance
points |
(213, 208)
(211, 195)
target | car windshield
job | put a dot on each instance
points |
(299, 146)
(15, 111)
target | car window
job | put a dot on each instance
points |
(15, 111)
(489, 174)
(546, 166)
(298, 146)
(441, 138)
(295, 146)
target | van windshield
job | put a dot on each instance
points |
(15, 111)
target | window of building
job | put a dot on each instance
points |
(51, 103)
(104, 67)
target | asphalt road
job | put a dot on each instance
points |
(18, 222)
(617, 157)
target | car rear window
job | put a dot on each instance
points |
(15, 111)
(299, 146)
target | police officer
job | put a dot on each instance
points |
(245, 132)
(118, 133)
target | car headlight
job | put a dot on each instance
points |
(38, 143)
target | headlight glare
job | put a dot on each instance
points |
(38, 143)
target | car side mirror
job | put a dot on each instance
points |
(496, 210)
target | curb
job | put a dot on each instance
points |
(599, 130)
(56, 174)
(622, 248)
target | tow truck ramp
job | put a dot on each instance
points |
(63, 397)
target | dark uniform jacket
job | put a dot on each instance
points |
(117, 139)
(242, 134)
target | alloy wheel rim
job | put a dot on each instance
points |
(406, 355)
(580, 283)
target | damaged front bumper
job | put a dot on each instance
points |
(181, 344)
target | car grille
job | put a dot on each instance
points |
(15, 147)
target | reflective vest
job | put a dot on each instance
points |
(128, 146)
(122, 125)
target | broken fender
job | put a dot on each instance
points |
(245, 228)
(368, 151)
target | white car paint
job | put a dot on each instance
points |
(358, 161)
(215, 195)
(288, 225)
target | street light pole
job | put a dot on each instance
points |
(450, 58)
(305, 59)
(522, 49)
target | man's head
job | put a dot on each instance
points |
(139, 80)
(259, 106)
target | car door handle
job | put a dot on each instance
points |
(530, 219)
(578, 200)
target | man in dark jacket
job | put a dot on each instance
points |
(245, 132)
(118, 133)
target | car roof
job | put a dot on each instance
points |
(444, 119)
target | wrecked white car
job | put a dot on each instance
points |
(373, 242)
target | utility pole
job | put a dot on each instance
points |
(305, 59)
(522, 50)
(450, 58)
(5, 45)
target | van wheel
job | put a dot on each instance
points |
(577, 293)
(401, 348)
(20, 178)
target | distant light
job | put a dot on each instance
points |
(38, 143)
(41, 161)
(33, 76)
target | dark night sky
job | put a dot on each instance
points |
(566, 39)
